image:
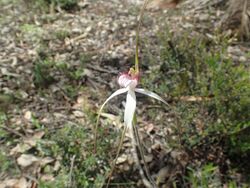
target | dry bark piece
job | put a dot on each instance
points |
(28, 115)
(26, 160)
(163, 4)
(148, 158)
(237, 18)
(27, 144)
(15, 183)
(122, 159)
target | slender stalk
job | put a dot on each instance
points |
(143, 158)
(117, 154)
(138, 36)
(134, 132)
(136, 158)
(96, 129)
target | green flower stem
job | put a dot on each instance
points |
(138, 36)
(139, 145)
(136, 157)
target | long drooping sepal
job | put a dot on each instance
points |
(150, 94)
(118, 92)
(130, 108)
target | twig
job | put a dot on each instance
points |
(10, 130)
(71, 170)
(35, 180)
(99, 69)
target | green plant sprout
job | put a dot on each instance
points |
(128, 82)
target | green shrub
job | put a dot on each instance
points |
(198, 67)
(205, 177)
(64, 4)
(41, 72)
(194, 67)
(79, 166)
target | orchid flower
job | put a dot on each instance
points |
(128, 82)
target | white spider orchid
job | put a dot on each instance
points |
(128, 82)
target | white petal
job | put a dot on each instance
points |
(118, 92)
(130, 108)
(150, 94)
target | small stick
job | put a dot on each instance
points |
(10, 130)
(71, 170)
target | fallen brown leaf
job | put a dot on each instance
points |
(26, 160)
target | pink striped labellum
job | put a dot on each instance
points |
(125, 80)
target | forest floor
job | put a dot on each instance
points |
(58, 66)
